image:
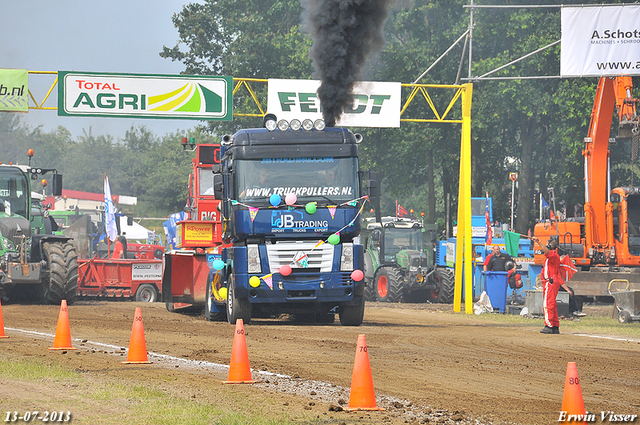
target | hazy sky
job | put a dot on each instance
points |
(123, 36)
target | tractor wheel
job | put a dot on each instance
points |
(388, 285)
(62, 265)
(369, 290)
(211, 311)
(352, 315)
(237, 308)
(146, 293)
(446, 282)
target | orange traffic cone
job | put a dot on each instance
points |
(137, 346)
(572, 402)
(362, 395)
(2, 335)
(239, 370)
(62, 340)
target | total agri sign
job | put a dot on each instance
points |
(145, 96)
(375, 104)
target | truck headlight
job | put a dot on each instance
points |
(253, 259)
(346, 260)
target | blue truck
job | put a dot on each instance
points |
(291, 206)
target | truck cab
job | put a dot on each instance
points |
(291, 208)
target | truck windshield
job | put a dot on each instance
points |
(325, 180)
(14, 192)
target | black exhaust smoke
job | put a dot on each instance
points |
(345, 33)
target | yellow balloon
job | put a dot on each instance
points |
(223, 293)
(254, 281)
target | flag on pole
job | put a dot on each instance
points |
(401, 211)
(511, 242)
(487, 219)
(109, 212)
(543, 205)
(567, 268)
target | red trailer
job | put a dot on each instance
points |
(137, 279)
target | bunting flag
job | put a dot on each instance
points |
(268, 279)
(253, 212)
(318, 244)
(301, 259)
(332, 210)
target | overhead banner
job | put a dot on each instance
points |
(14, 90)
(145, 96)
(600, 41)
(375, 104)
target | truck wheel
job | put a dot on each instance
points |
(352, 315)
(237, 308)
(446, 282)
(211, 311)
(388, 285)
(62, 265)
(146, 293)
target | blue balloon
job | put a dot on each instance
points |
(275, 199)
(218, 264)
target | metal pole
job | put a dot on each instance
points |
(513, 186)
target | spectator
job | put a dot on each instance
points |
(119, 250)
(499, 261)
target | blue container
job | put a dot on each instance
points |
(495, 283)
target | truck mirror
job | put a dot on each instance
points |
(57, 185)
(218, 186)
(129, 221)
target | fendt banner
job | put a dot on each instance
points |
(145, 96)
(600, 41)
(14, 90)
(375, 104)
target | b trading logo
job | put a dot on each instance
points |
(294, 221)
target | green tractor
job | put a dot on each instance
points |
(400, 264)
(35, 265)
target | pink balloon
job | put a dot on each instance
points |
(285, 270)
(290, 199)
(357, 275)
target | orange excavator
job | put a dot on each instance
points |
(605, 243)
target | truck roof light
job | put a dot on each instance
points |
(283, 125)
(307, 125)
(319, 124)
(295, 124)
(269, 122)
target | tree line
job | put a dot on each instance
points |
(533, 126)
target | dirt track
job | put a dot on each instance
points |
(427, 362)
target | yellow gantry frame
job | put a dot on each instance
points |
(464, 255)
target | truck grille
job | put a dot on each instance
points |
(282, 253)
